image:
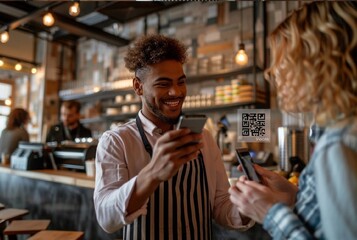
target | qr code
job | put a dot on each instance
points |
(254, 125)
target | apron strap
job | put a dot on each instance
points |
(144, 139)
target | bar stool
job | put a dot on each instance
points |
(58, 235)
(2, 227)
(9, 214)
(25, 227)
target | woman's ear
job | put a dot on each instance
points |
(138, 86)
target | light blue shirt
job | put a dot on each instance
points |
(326, 206)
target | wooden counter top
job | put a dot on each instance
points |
(59, 176)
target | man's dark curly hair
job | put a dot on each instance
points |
(152, 49)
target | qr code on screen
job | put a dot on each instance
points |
(254, 125)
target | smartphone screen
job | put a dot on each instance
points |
(245, 160)
(193, 122)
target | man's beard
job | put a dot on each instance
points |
(161, 116)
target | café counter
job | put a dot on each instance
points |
(65, 197)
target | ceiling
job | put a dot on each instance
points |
(97, 19)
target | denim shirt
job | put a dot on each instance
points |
(326, 205)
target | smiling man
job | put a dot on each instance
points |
(149, 179)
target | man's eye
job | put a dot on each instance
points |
(182, 81)
(163, 84)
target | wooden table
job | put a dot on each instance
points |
(26, 226)
(58, 235)
(10, 214)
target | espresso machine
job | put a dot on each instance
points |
(73, 155)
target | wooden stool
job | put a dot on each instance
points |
(26, 227)
(2, 227)
(58, 235)
(10, 214)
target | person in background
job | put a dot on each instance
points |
(14, 132)
(70, 128)
(314, 67)
(148, 180)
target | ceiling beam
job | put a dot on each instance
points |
(66, 24)
(25, 19)
(81, 29)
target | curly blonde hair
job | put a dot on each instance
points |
(314, 57)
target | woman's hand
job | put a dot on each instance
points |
(254, 200)
(278, 184)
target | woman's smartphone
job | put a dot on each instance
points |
(246, 161)
(194, 122)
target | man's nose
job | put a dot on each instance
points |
(176, 90)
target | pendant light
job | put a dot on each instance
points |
(74, 9)
(241, 57)
(18, 67)
(48, 19)
(4, 38)
(8, 101)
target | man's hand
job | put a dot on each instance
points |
(171, 151)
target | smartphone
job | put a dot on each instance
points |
(246, 161)
(194, 122)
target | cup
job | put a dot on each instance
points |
(5, 158)
(90, 168)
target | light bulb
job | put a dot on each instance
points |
(74, 9)
(4, 37)
(33, 70)
(1, 63)
(8, 101)
(96, 89)
(18, 67)
(48, 19)
(241, 56)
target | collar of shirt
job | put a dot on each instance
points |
(149, 126)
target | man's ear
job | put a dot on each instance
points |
(138, 86)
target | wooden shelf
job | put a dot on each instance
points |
(116, 105)
(92, 120)
(126, 116)
(222, 74)
(221, 107)
(105, 94)
(102, 94)
(119, 117)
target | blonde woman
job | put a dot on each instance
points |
(314, 57)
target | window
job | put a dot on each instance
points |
(5, 93)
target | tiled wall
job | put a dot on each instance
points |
(216, 26)
(98, 62)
